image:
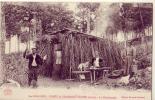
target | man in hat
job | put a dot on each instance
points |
(34, 61)
(130, 55)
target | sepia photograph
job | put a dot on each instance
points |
(94, 47)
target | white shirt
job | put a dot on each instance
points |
(96, 62)
(34, 61)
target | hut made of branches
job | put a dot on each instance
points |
(78, 48)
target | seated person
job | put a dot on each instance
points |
(97, 62)
(83, 67)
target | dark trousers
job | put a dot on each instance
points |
(131, 74)
(129, 63)
(32, 75)
(56, 72)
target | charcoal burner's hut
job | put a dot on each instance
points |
(71, 48)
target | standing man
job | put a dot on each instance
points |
(130, 55)
(34, 61)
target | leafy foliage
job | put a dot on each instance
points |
(130, 18)
(12, 19)
(89, 6)
(56, 14)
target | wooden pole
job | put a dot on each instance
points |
(71, 59)
(80, 50)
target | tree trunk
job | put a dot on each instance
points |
(88, 22)
(2, 42)
(18, 44)
(126, 39)
(143, 34)
(126, 60)
(9, 44)
(27, 45)
(35, 27)
(29, 39)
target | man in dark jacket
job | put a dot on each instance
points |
(34, 61)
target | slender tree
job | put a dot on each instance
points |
(2, 41)
(86, 11)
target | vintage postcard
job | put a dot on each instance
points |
(75, 50)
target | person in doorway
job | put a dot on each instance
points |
(56, 74)
(34, 61)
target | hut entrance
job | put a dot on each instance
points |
(57, 61)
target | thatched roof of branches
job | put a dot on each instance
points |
(46, 37)
(52, 36)
(136, 41)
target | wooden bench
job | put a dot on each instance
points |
(105, 71)
(78, 73)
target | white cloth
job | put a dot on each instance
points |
(124, 80)
(58, 57)
(45, 57)
(34, 61)
(96, 62)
